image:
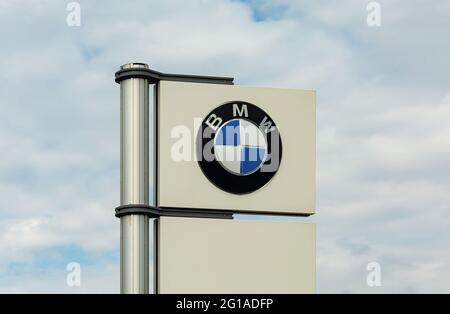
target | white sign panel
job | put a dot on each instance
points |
(199, 255)
(227, 147)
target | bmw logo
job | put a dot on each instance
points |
(239, 147)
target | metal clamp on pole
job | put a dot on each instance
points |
(134, 175)
(139, 209)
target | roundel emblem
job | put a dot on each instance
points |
(239, 147)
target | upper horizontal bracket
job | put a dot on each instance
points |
(154, 77)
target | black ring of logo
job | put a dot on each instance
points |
(213, 170)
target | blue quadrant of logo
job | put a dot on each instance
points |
(229, 134)
(251, 158)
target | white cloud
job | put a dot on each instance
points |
(383, 135)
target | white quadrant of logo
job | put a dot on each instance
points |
(240, 147)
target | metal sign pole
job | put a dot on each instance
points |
(134, 189)
(134, 210)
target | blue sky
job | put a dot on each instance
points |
(383, 142)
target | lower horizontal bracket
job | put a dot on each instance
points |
(154, 212)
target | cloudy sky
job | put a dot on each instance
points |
(383, 138)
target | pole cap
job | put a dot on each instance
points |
(134, 65)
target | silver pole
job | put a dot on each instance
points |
(134, 189)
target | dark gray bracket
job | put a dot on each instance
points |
(154, 212)
(154, 77)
